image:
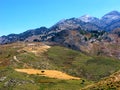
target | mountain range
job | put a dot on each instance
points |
(78, 34)
(108, 22)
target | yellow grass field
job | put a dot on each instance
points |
(48, 73)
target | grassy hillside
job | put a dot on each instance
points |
(109, 83)
(75, 63)
(78, 64)
(12, 80)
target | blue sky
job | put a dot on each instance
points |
(17, 16)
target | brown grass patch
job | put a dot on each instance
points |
(48, 73)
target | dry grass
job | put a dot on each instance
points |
(48, 73)
(36, 48)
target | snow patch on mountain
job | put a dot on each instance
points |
(87, 18)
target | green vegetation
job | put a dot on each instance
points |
(81, 65)
(17, 81)
(75, 63)
(83, 32)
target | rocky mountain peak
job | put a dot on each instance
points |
(87, 18)
(109, 17)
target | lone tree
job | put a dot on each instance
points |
(42, 71)
(83, 81)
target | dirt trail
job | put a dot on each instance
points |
(15, 58)
(48, 73)
(88, 86)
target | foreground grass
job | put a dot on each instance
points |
(75, 63)
(17, 81)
